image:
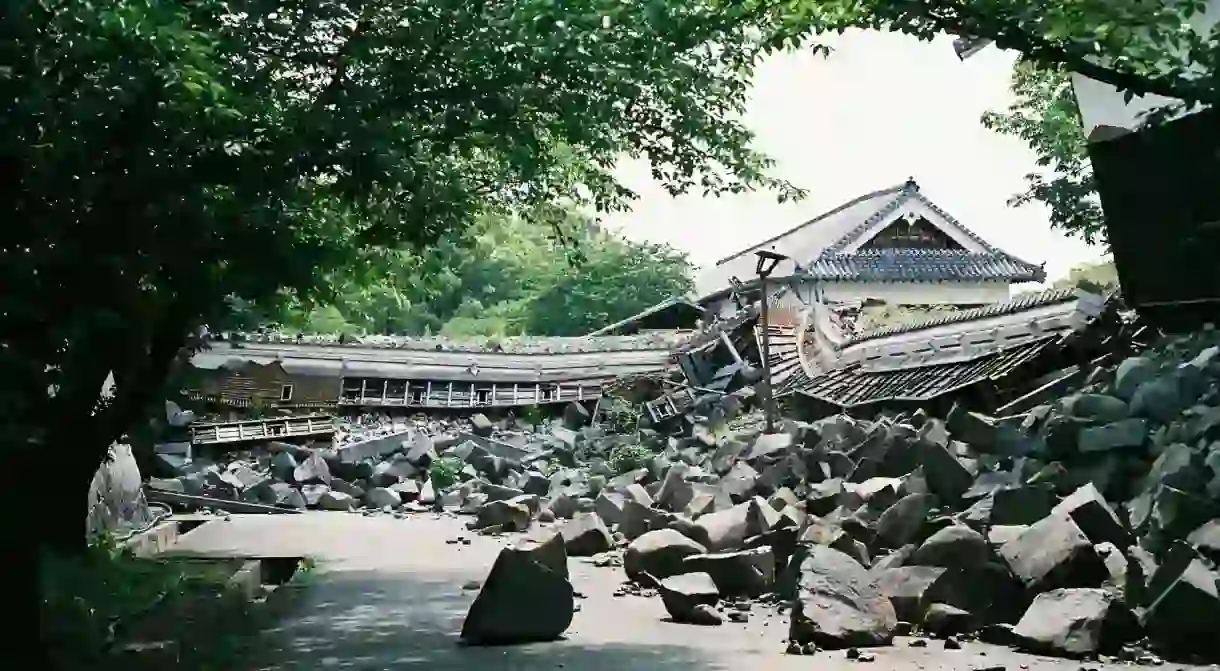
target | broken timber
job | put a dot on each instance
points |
(262, 429)
(190, 501)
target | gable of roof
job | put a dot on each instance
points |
(909, 191)
(821, 252)
(874, 195)
(800, 243)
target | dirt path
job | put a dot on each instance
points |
(388, 594)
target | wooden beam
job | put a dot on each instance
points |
(241, 507)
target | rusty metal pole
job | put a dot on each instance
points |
(768, 397)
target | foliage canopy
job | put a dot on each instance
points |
(1044, 114)
(502, 276)
(163, 155)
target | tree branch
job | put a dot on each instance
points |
(970, 23)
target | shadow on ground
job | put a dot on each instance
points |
(371, 620)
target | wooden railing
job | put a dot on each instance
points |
(262, 429)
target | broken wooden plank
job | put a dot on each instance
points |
(240, 507)
(1047, 391)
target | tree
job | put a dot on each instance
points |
(616, 280)
(1138, 47)
(505, 275)
(164, 156)
(1099, 276)
(1044, 114)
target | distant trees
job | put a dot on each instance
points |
(506, 275)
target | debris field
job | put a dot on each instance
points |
(1087, 525)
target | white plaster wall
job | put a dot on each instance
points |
(901, 293)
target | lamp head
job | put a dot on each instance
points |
(767, 260)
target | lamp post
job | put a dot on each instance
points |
(766, 265)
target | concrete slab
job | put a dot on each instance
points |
(388, 593)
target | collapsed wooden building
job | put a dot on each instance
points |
(989, 357)
(384, 372)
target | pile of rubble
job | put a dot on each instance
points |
(376, 463)
(1089, 525)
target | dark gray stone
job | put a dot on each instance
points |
(742, 573)
(1088, 508)
(527, 597)
(1075, 623)
(681, 595)
(586, 535)
(954, 547)
(837, 605)
(1054, 553)
(659, 554)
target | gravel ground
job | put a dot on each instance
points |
(391, 594)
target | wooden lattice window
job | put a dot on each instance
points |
(912, 232)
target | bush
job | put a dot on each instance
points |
(619, 415)
(532, 414)
(444, 471)
(93, 605)
(626, 458)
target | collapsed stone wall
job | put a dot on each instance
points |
(1087, 525)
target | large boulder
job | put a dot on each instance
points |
(901, 522)
(638, 519)
(683, 594)
(333, 500)
(912, 589)
(725, 529)
(382, 497)
(837, 605)
(1074, 623)
(586, 535)
(742, 573)
(1054, 553)
(659, 554)
(481, 425)
(955, 547)
(526, 597)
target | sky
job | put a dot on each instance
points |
(881, 108)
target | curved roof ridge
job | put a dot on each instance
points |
(1017, 304)
(973, 236)
(910, 189)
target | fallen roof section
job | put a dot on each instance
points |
(927, 360)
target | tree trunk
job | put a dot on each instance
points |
(64, 514)
(22, 544)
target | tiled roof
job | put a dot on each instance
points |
(852, 387)
(1018, 304)
(932, 265)
(922, 265)
(896, 189)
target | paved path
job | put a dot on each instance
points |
(388, 594)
